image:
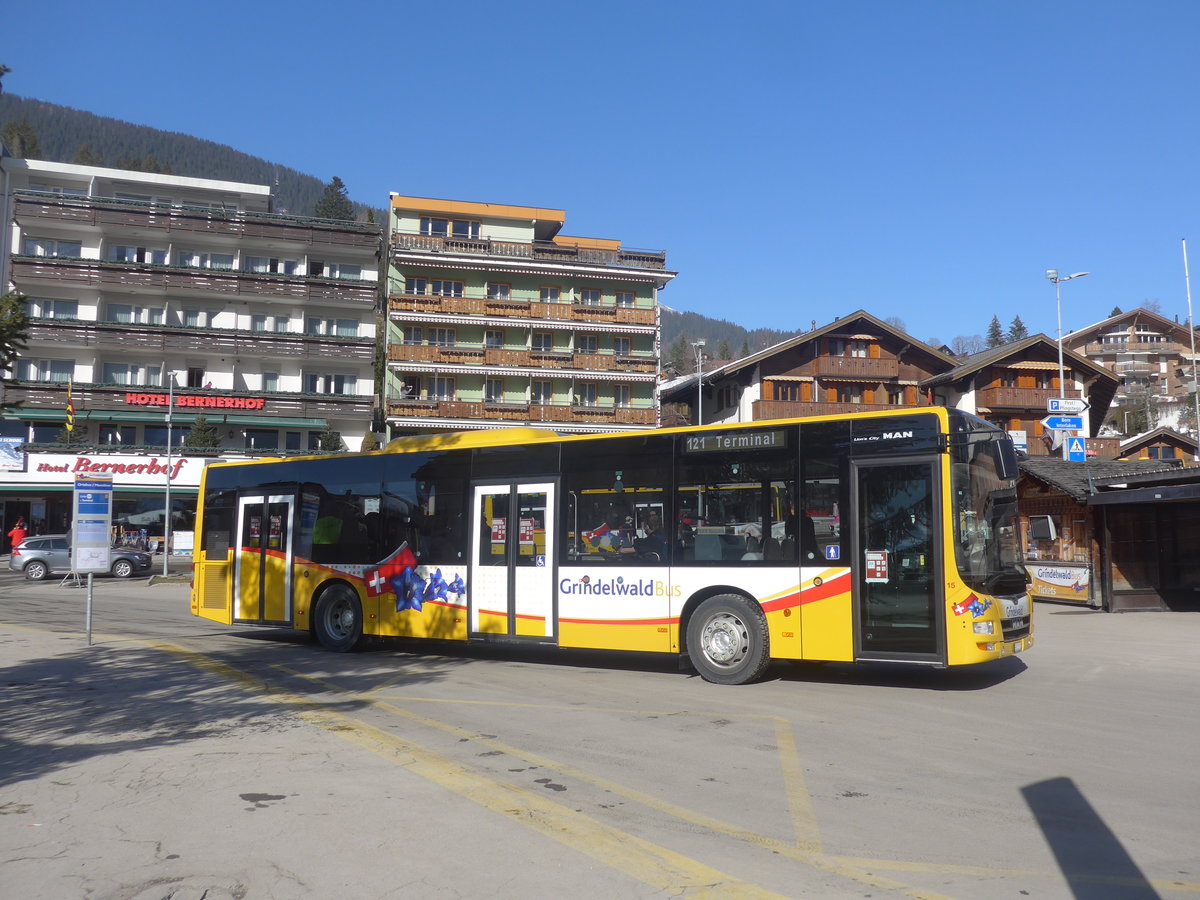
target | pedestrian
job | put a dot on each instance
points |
(17, 533)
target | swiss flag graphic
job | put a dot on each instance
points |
(379, 579)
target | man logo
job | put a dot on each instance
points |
(894, 435)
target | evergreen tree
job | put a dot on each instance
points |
(745, 349)
(14, 330)
(1017, 330)
(723, 352)
(203, 435)
(334, 203)
(329, 441)
(679, 355)
(1116, 311)
(21, 139)
(995, 333)
(4, 70)
(86, 156)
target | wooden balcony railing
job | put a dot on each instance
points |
(1018, 398)
(855, 367)
(520, 412)
(789, 409)
(474, 354)
(540, 250)
(30, 272)
(161, 339)
(33, 208)
(401, 301)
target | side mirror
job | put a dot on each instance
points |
(1005, 455)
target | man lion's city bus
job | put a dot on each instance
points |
(883, 536)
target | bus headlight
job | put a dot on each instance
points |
(985, 627)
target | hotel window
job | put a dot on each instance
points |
(587, 343)
(195, 377)
(622, 396)
(58, 370)
(440, 387)
(585, 394)
(52, 309)
(413, 335)
(258, 265)
(497, 291)
(259, 323)
(849, 394)
(194, 318)
(550, 294)
(118, 435)
(446, 288)
(262, 265)
(291, 440)
(621, 346)
(270, 381)
(134, 315)
(47, 247)
(261, 439)
(467, 230)
(196, 260)
(418, 286)
(787, 391)
(330, 384)
(626, 299)
(441, 337)
(341, 271)
(435, 227)
(493, 340)
(589, 297)
(127, 373)
(281, 324)
(493, 390)
(123, 253)
(59, 190)
(895, 396)
(542, 342)
(332, 327)
(541, 392)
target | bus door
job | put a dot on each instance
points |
(263, 565)
(512, 547)
(898, 586)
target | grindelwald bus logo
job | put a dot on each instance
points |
(619, 587)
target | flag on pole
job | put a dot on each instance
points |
(70, 408)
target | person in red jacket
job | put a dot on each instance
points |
(17, 533)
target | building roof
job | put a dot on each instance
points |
(1134, 315)
(1162, 433)
(1081, 480)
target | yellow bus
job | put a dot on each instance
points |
(882, 536)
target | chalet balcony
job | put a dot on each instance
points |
(856, 368)
(161, 339)
(791, 409)
(1019, 398)
(475, 303)
(29, 273)
(86, 397)
(536, 250)
(477, 354)
(33, 208)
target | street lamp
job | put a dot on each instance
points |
(1052, 275)
(698, 348)
(167, 511)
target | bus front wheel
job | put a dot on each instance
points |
(338, 619)
(727, 640)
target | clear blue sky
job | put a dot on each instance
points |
(927, 160)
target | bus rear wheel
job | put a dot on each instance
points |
(338, 619)
(727, 640)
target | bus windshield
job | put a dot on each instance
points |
(985, 517)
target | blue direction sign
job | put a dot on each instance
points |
(1076, 451)
(1064, 423)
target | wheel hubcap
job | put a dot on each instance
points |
(724, 640)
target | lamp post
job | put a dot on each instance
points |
(1187, 280)
(698, 348)
(1052, 275)
(167, 510)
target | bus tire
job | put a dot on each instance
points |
(338, 619)
(727, 640)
